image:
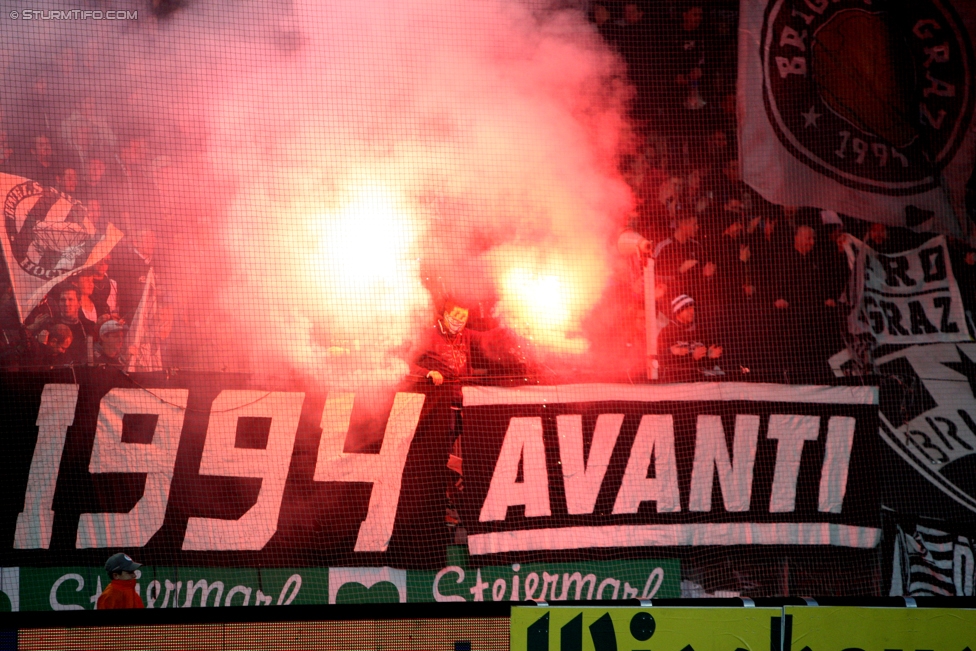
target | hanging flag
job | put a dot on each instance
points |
(144, 338)
(861, 108)
(47, 236)
(909, 297)
(930, 562)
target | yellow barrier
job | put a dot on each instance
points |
(659, 629)
(879, 629)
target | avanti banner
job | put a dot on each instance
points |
(598, 466)
(202, 472)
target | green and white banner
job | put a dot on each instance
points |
(77, 588)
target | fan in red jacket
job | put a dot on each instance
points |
(121, 592)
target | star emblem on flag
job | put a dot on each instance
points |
(810, 117)
(965, 366)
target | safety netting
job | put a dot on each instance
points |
(507, 300)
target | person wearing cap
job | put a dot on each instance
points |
(111, 341)
(685, 355)
(121, 592)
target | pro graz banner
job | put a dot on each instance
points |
(829, 118)
(878, 629)
(910, 297)
(715, 629)
(598, 466)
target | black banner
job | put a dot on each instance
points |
(596, 466)
(202, 470)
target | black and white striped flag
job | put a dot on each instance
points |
(929, 562)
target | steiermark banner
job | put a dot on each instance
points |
(879, 629)
(591, 580)
(77, 588)
(661, 629)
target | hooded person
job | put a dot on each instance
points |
(121, 592)
(442, 357)
(444, 352)
(804, 319)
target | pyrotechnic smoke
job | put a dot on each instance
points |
(324, 173)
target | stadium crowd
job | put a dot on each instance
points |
(54, 132)
(742, 285)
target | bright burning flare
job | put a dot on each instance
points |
(546, 300)
(367, 244)
(355, 178)
(341, 284)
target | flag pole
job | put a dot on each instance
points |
(633, 243)
(650, 319)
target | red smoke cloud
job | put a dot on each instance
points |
(325, 173)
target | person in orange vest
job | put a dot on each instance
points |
(121, 592)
